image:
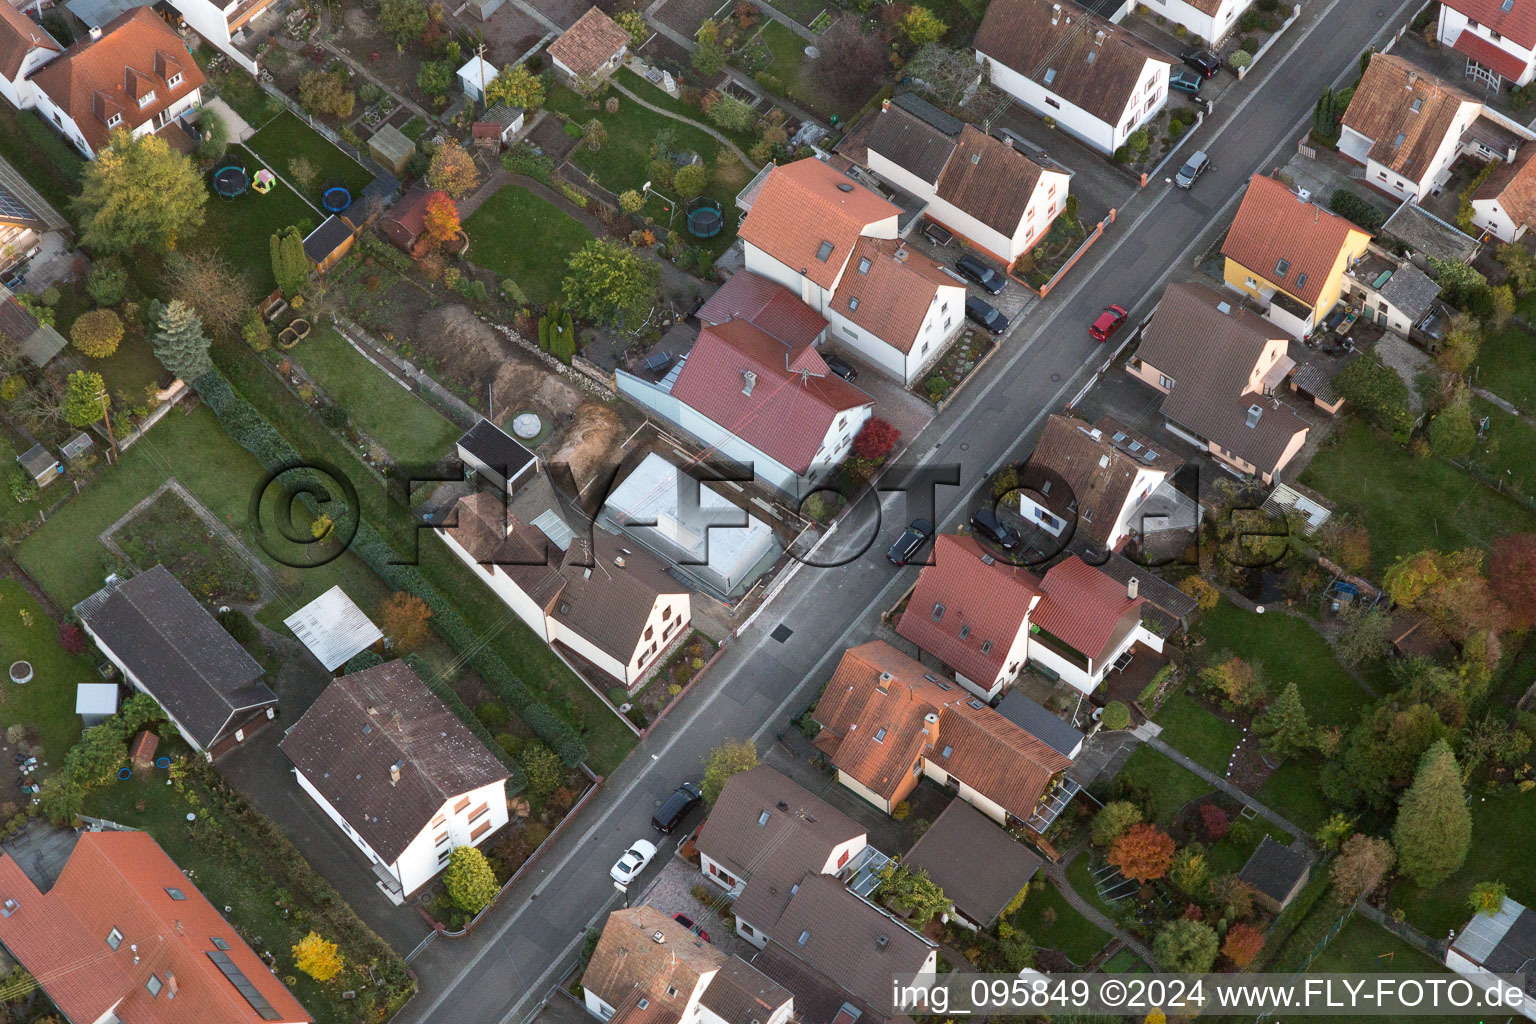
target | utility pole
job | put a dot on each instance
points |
(107, 415)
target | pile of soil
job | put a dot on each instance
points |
(590, 441)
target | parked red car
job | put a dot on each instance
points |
(1108, 322)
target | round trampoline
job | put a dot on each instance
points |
(231, 180)
(704, 218)
(336, 197)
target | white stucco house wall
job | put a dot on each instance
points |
(1498, 43)
(25, 46)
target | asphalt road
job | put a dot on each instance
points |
(499, 973)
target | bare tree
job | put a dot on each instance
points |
(209, 284)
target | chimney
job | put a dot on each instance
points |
(95, 32)
(1132, 588)
(171, 988)
(884, 682)
(373, 710)
(1055, 14)
(881, 941)
(1098, 38)
(748, 382)
(658, 937)
(1254, 412)
(394, 772)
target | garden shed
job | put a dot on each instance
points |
(95, 702)
(498, 127)
(390, 147)
(1277, 872)
(40, 464)
(475, 75)
(404, 222)
(333, 628)
(329, 242)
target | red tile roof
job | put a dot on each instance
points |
(1084, 608)
(806, 205)
(137, 52)
(1405, 112)
(19, 36)
(1513, 186)
(883, 733)
(895, 292)
(1489, 53)
(794, 396)
(1518, 23)
(987, 600)
(765, 304)
(120, 880)
(590, 43)
(1273, 224)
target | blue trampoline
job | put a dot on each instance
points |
(336, 197)
(231, 180)
(705, 218)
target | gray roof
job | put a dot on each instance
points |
(1410, 290)
(327, 238)
(37, 460)
(496, 448)
(978, 865)
(392, 142)
(1427, 234)
(1040, 723)
(770, 831)
(1315, 381)
(849, 941)
(367, 721)
(912, 103)
(910, 143)
(1274, 869)
(1504, 943)
(177, 651)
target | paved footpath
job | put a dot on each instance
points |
(1057, 873)
(1147, 733)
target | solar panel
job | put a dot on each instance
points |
(13, 208)
(243, 985)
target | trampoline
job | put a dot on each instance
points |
(231, 180)
(336, 197)
(704, 218)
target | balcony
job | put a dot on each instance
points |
(243, 12)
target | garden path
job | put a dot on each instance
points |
(1147, 733)
(1056, 871)
(691, 123)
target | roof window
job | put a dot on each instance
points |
(114, 938)
(853, 303)
(1399, 140)
(176, 894)
(864, 264)
(762, 819)
(1417, 104)
(804, 938)
(824, 251)
(973, 702)
(154, 985)
(986, 647)
(938, 613)
(947, 751)
(880, 735)
(219, 943)
(1282, 266)
(965, 631)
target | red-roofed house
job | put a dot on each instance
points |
(887, 721)
(769, 306)
(1497, 38)
(985, 620)
(833, 243)
(132, 75)
(123, 935)
(25, 46)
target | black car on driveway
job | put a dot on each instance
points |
(1203, 61)
(978, 270)
(984, 314)
(911, 540)
(837, 366)
(676, 807)
(987, 526)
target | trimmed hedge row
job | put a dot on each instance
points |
(256, 435)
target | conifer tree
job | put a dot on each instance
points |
(179, 342)
(1434, 826)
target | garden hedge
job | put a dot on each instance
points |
(253, 433)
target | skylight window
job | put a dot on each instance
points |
(1417, 104)
(1301, 280)
(986, 647)
(947, 752)
(114, 938)
(824, 251)
(762, 819)
(1282, 267)
(153, 984)
(219, 943)
(853, 303)
(864, 264)
(1507, 6)
(1399, 140)
(880, 735)
(1050, 75)
(804, 938)
(176, 894)
(938, 613)
(965, 632)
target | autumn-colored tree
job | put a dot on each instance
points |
(1112, 821)
(210, 284)
(1202, 590)
(921, 26)
(1189, 871)
(1144, 852)
(1186, 946)
(1235, 680)
(1214, 820)
(470, 882)
(1450, 588)
(72, 638)
(439, 223)
(1512, 576)
(1232, 894)
(516, 86)
(403, 617)
(452, 170)
(1362, 863)
(875, 440)
(724, 761)
(318, 957)
(1488, 897)
(139, 192)
(1242, 944)
(97, 333)
(327, 92)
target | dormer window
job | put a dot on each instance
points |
(146, 99)
(174, 80)
(113, 120)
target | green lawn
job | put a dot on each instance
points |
(1290, 651)
(1198, 733)
(243, 868)
(129, 370)
(45, 707)
(1169, 784)
(1227, 856)
(241, 228)
(1505, 453)
(1503, 836)
(286, 137)
(41, 155)
(1051, 922)
(411, 429)
(1506, 365)
(1410, 503)
(415, 128)
(1124, 962)
(1080, 875)
(518, 235)
(1364, 947)
(656, 96)
(1292, 793)
(14, 515)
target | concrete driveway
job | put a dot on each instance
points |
(263, 774)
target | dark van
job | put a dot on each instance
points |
(676, 807)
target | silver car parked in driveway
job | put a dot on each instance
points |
(1197, 164)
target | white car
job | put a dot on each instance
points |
(633, 862)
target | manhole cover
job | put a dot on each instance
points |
(526, 425)
(781, 633)
(1055, 377)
